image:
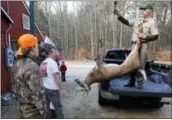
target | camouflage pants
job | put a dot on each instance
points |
(31, 110)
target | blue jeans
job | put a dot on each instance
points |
(54, 97)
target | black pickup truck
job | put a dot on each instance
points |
(157, 86)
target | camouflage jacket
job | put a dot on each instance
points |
(27, 85)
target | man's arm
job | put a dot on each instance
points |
(153, 33)
(55, 73)
(122, 19)
(56, 77)
(147, 37)
(151, 37)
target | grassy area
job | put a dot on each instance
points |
(164, 55)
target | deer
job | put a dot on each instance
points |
(105, 72)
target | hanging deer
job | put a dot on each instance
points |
(106, 72)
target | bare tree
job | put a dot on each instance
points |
(92, 20)
(75, 30)
(91, 32)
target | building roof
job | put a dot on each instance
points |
(6, 15)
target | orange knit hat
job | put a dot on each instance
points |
(25, 41)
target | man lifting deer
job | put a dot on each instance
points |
(143, 33)
(146, 31)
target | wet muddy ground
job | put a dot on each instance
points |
(75, 105)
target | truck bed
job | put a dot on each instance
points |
(150, 89)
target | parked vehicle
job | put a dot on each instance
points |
(157, 86)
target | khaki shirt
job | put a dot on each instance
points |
(149, 27)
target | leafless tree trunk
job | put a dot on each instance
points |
(165, 14)
(114, 33)
(121, 31)
(91, 32)
(61, 16)
(75, 31)
(47, 9)
(106, 38)
(96, 40)
(91, 21)
(66, 32)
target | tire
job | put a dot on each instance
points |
(102, 101)
(156, 105)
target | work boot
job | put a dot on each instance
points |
(132, 80)
(140, 77)
(140, 85)
(131, 83)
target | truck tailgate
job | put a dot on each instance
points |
(150, 89)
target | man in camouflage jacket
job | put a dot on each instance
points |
(26, 81)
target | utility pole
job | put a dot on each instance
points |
(32, 26)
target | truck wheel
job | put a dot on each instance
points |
(156, 105)
(101, 100)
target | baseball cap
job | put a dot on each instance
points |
(26, 41)
(48, 45)
(148, 6)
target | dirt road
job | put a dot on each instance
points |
(78, 106)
